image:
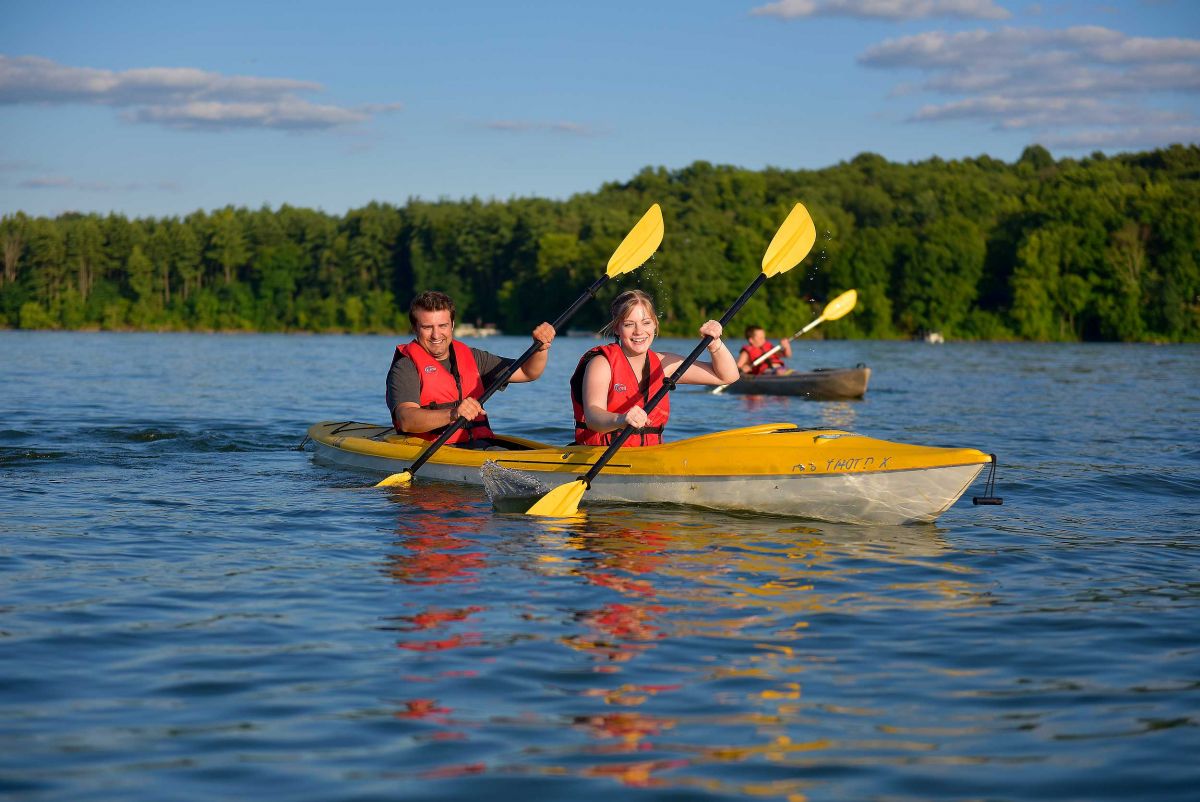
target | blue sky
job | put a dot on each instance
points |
(161, 108)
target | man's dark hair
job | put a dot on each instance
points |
(751, 329)
(430, 301)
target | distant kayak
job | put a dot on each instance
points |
(774, 468)
(822, 384)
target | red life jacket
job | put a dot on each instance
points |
(442, 389)
(623, 393)
(774, 361)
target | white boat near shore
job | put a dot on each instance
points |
(468, 330)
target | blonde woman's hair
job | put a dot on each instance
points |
(620, 308)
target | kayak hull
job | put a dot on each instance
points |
(777, 469)
(823, 384)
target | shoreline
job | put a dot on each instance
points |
(573, 335)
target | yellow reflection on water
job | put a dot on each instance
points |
(825, 414)
(692, 575)
(751, 589)
(838, 415)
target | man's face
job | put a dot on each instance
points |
(434, 331)
(757, 337)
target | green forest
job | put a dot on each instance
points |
(1092, 249)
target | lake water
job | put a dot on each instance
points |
(191, 609)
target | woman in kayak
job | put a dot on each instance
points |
(610, 393)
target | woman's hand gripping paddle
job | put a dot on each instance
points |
(836, 308)
(790, 245)
(639, 245)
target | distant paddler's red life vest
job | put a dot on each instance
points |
(442, 389)
(623, 393)
(774, 361)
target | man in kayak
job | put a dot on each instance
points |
(435, 378)
(609, 393)
(756, 345)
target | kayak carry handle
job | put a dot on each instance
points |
(989, 489)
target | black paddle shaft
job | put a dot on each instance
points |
(507, 373)
(669, 384)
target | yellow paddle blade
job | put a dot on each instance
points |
(791, 242)
(402, 478)
(561, 502)
(638, 245)
(840, 305)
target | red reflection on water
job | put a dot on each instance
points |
(460, 770)
(466, 639)
(629, 726)
(433, 618)
(434, 558)
(434, 549)
(627, 621)
(622, 630)
(623, 554)
(448, 735)
(423, 709)
(625, 585)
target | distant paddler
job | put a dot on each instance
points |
(835, 309)
(757, 345)
(435, 378)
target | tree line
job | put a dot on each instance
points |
(1099, 248)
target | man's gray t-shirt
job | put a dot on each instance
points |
(404, 383)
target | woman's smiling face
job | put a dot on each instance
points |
(637, 330)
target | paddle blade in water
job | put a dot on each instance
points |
(561, 502)
(639, 244)
(791, 243)
(402, 478)
(840, 305)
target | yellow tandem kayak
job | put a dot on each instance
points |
(776, 468)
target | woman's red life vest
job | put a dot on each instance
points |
(623, 393)
(773, 361)
(442, 389)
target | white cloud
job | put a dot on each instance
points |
(1070, 80)
(66, 182)
(1013, 113)
(179, 97)
(287, 113)
(47, 182)
(884, 9)
(577, 129)
(1062, 84)
(971, 49)
(1136, 137)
